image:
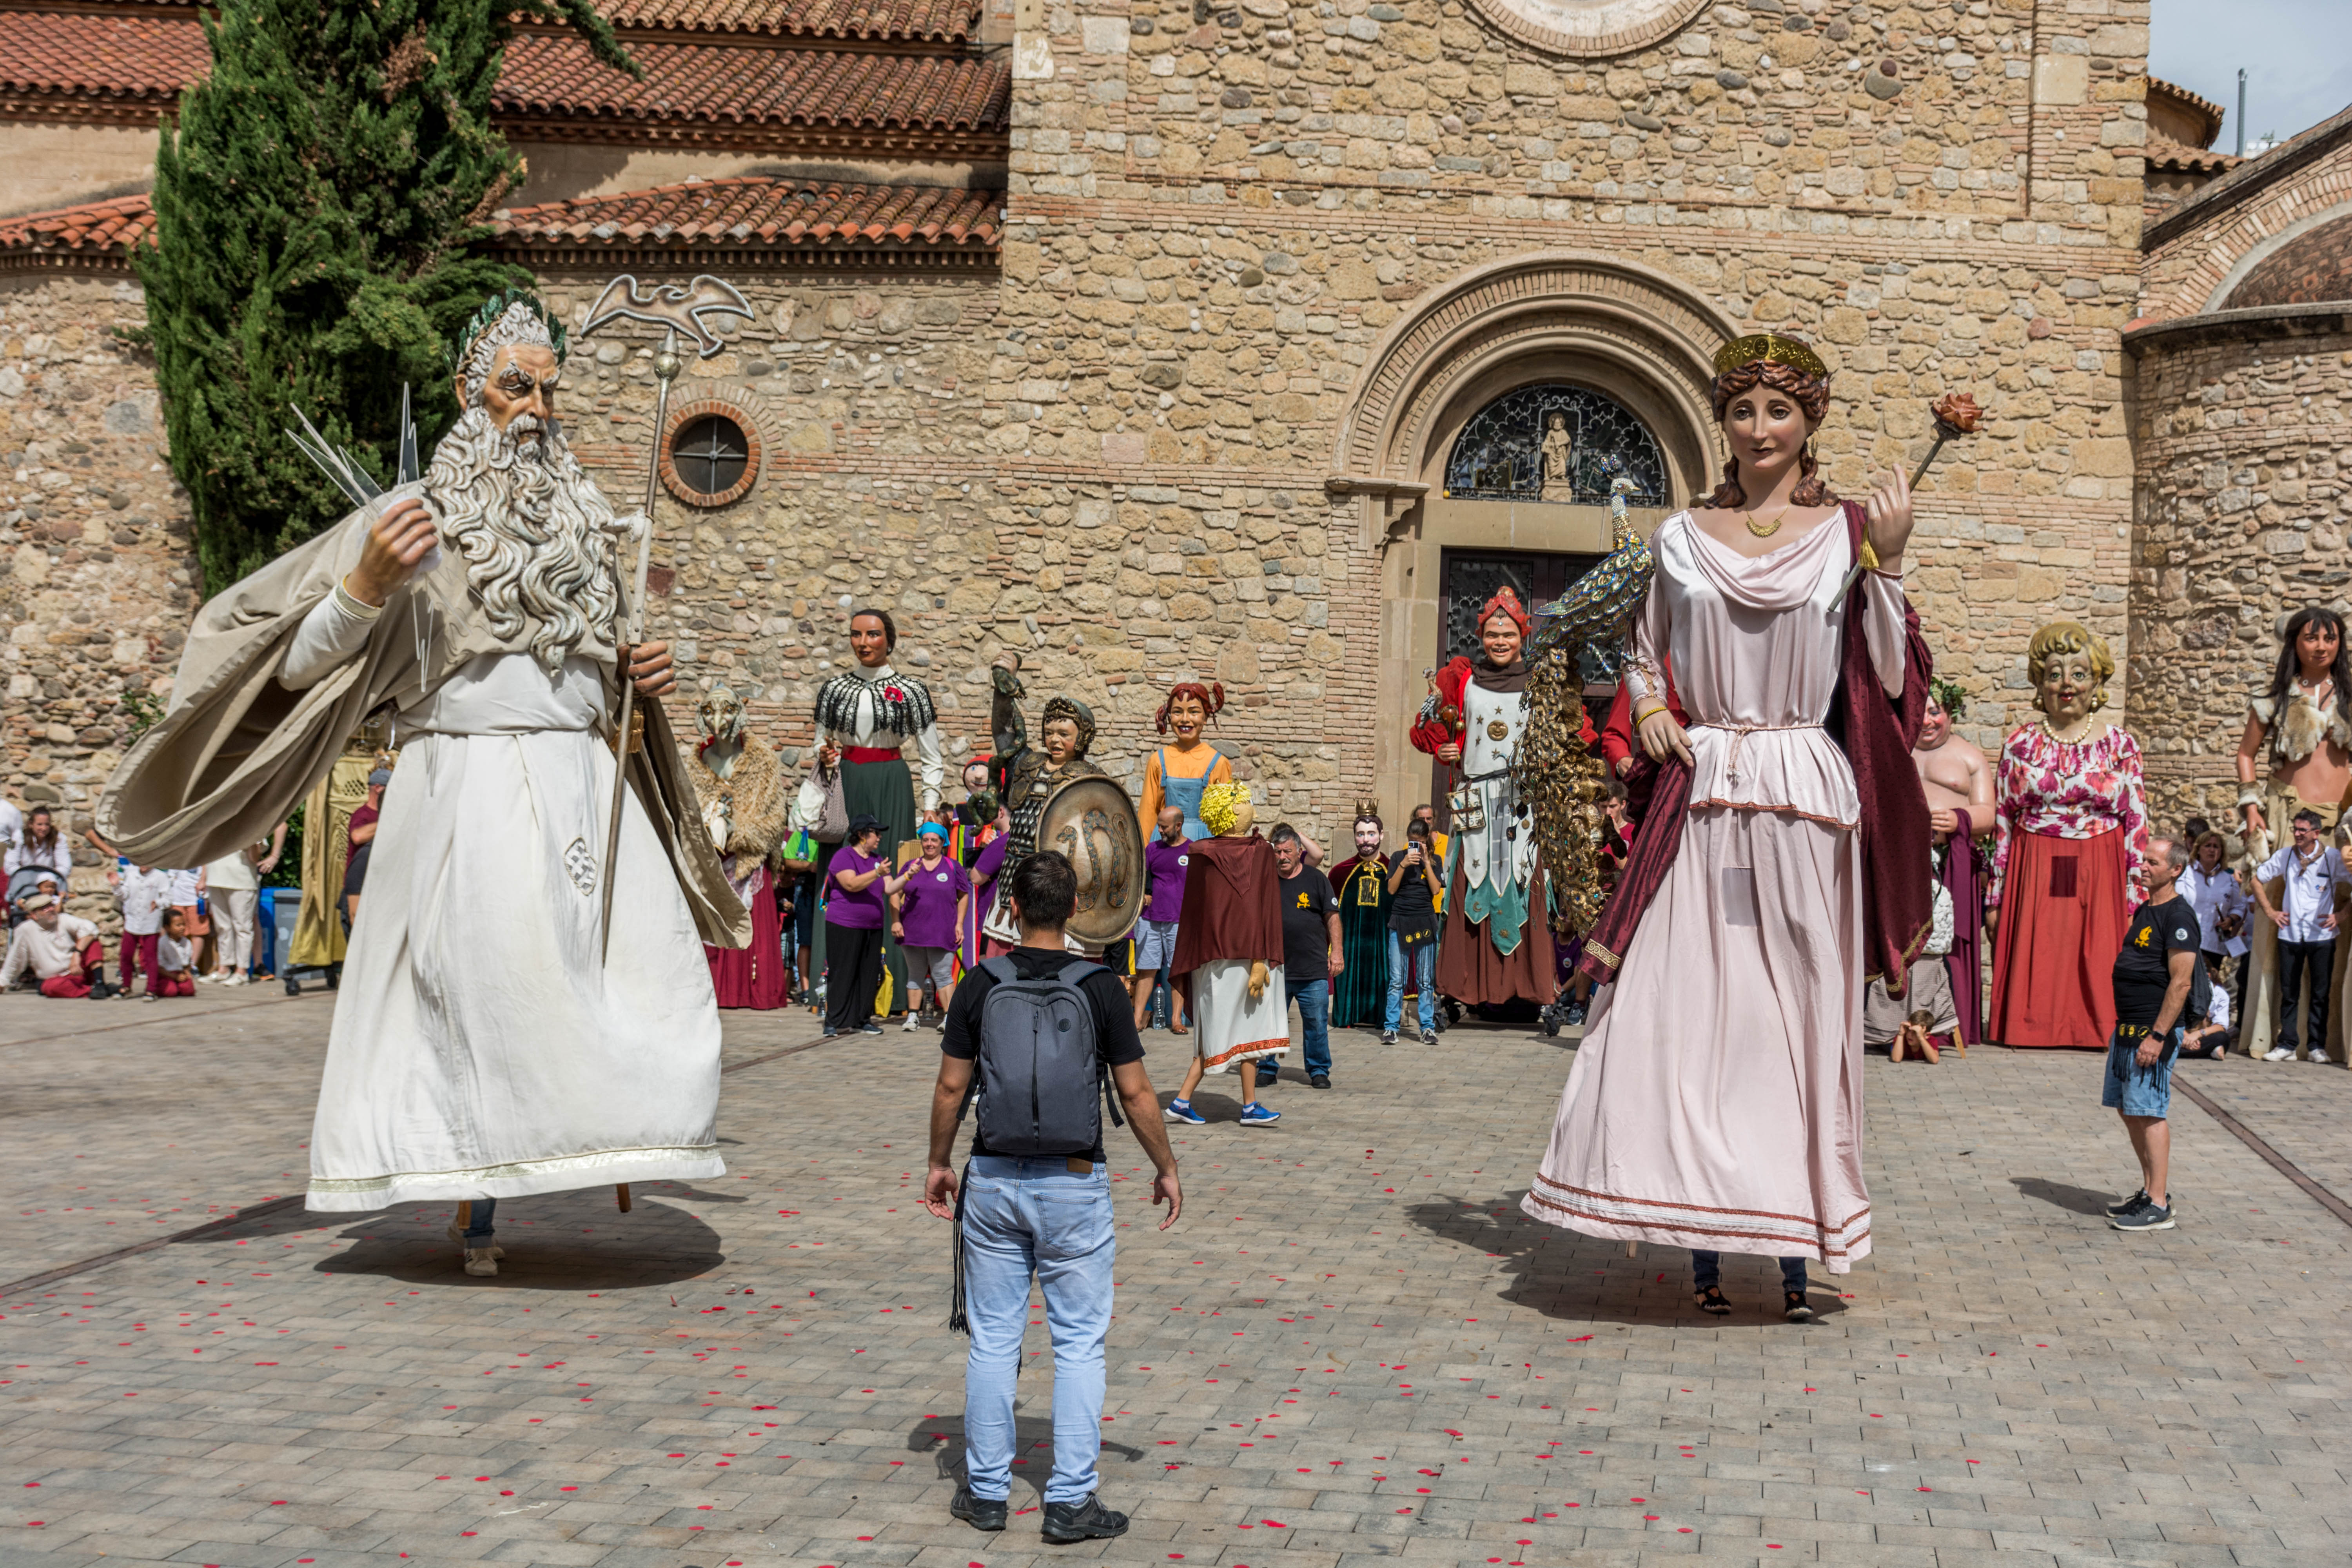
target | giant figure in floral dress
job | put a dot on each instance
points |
(2066, 858)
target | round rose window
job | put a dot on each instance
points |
(1586, 29)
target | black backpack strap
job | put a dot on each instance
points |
(1074, 976)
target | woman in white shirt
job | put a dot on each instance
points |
(41, 844)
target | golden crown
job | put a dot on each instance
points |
(1774, 346)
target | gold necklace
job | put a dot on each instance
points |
(1766, 529)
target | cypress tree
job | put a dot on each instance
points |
(315, 205)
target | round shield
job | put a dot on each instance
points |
(1092, 821)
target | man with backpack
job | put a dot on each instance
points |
(1045, 1039)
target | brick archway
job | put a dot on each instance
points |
(1623, 329)
(1628, 329)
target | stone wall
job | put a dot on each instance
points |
(2244, 455)
(1214, 216)
(98, 573)
(875, 488)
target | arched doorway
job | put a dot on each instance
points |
(1441, 453)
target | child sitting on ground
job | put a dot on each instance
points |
(175, 959)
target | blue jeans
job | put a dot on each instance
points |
(1020, 1217)
(1707, 1269)
(480, 1228)
(1423, 965)
(2136, 1090)
(1315, 1024)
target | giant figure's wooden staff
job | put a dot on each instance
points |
(676, 308)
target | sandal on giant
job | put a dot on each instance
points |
(1712, 1299)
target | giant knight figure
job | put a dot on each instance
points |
(485, 1045)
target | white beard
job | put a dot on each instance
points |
(534, 530)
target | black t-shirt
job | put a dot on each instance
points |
(1306, 900)
(1413, 908)
(1116, 1041)
(2143, 967)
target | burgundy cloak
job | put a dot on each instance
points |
(1233, 909)
(1876, 733)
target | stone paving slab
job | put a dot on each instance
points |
(1353, 1350)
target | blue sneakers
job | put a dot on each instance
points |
(1182, 1110)
(1257, 1115)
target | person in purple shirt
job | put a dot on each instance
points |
(932, 907)
(856, 910)
(1164, 859)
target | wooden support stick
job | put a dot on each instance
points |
(1632, 1250)
(465, 1215)
(621, 1196)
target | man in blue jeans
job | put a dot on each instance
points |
(1312, 952)
(1046, 1218)
(1413, 932)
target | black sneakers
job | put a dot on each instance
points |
(2149, 1216)
(2125, 1206)
(1088, 1520)
(979, 1512)
(1318, 1080)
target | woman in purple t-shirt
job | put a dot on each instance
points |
(857, 911)
(930, 910)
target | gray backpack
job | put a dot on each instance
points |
(1040, 1081)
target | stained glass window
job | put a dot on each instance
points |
(1500, 453)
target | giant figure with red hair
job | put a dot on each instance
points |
(1176, 774)
(1497, 944)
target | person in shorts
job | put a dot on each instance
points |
(2153, 976)
(1164, 861)
(931, 908)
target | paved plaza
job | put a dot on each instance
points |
(1352, 1349)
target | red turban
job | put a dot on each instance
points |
(1503, 602)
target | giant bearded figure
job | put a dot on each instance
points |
(483, 1046)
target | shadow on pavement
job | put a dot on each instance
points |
(941, 1437)
(555, 1241)
(1574, 1278)
(2064, 1195)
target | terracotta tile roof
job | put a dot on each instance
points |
(136, 58)
(752, 213)
(939, 21)
(100, 67)
(556, 77)
(2163, 154)
(761, 211)
(91, 229)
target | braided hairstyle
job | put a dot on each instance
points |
(1810, 393)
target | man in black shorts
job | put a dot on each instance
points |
(2153, 975)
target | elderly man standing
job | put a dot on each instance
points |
(484, 1045)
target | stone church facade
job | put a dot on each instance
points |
(1161, 339)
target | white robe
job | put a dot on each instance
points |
(480, 1049)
